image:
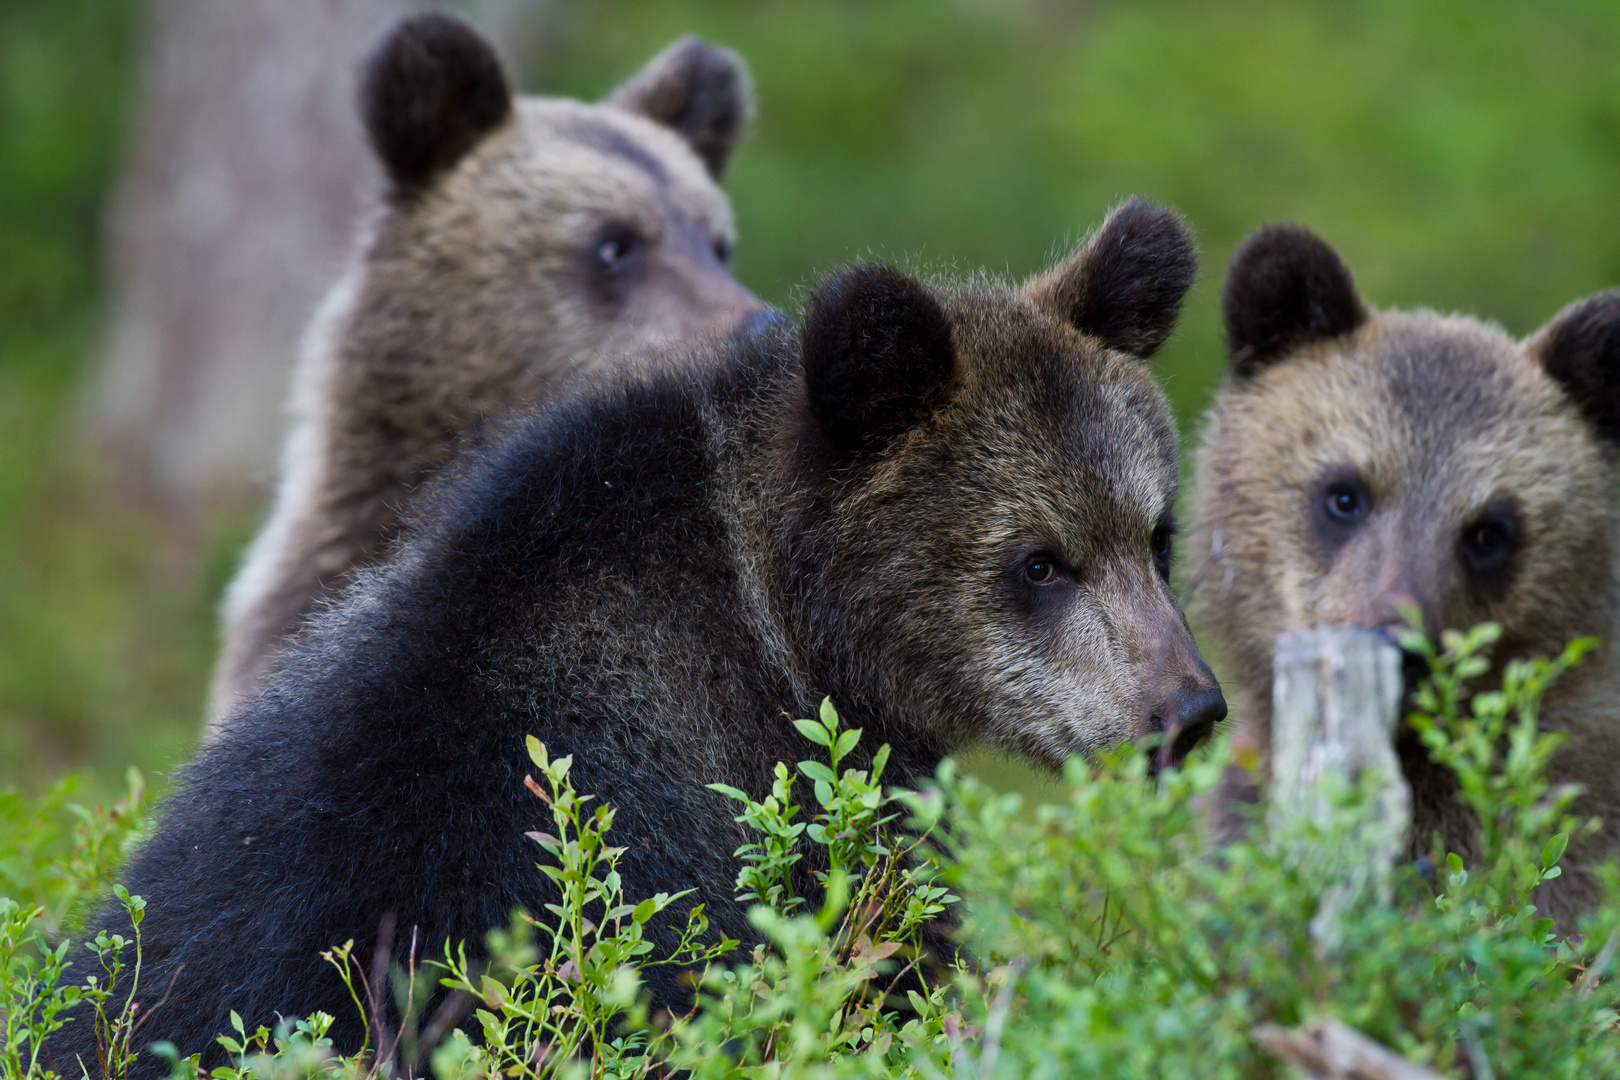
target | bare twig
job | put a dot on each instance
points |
(1327, 1049)
(1594, 970)
(996, 1019)
(379, 978)
(894, 983)
(410, 1004)
(447, 1016)
(161, 1001)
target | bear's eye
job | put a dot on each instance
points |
(722, 250)
(1339, 504)
(1164, 539)
(1488, 543)
(615, 248)
(1345, 502)
(1041, 570)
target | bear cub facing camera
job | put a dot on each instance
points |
(522, 241)
(1357, 460)
(948, 509)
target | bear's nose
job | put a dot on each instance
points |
(1186, 722)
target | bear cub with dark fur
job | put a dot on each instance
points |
(1356, 460)
(948, 509)
(522, 242)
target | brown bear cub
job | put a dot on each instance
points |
(946, 508)
(521, 241)
(1356, 460)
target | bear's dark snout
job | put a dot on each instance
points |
(1186, 718)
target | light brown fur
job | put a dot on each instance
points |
(1441, 416)
(466, 301)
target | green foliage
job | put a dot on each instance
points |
(37, 999)
(57, 856)
(1105, 935)
(819, 997)
(31, 988)
(1145, 950)
(1515, 807)
(572, 994)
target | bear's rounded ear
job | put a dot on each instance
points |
(1580, 348)
(1126, 283)
(877, 355)
(429, 92)
(700, 90)
(1285, 289)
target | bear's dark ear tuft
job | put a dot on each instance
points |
(429, 92)
(877, 355)
(1125, 284)
(1285, 289)
(700, 90)
(1580, 348)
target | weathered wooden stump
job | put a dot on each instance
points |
(1336, 697)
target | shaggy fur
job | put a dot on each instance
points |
(1411, 456)
(522, 243)
(656, 576)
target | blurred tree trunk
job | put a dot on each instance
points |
(247, 175)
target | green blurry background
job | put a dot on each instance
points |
(1464, 156)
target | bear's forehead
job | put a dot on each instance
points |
(562, 162)
(1047, 429)
(1027, 375)
(1448, 410)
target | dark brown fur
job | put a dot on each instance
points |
(1481, 474)
(655, 576)
(523, 242)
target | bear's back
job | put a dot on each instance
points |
(572, 585)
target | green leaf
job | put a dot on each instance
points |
(730, 792)
(829, 715)
(493, 992)
(815, 770)
(1553, 850)
(847, 741)
(814, 732)
(537, 751)
(879, 759)
(644, 911)
(1454, 862)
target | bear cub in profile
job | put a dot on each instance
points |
(949, 509)
(522, 241)
(1356, 460)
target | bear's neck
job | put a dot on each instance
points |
(778, 495)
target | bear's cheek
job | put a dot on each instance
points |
(1079, 664)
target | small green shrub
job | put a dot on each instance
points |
(1102, 936)
(1140, 949)
(56, 857)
